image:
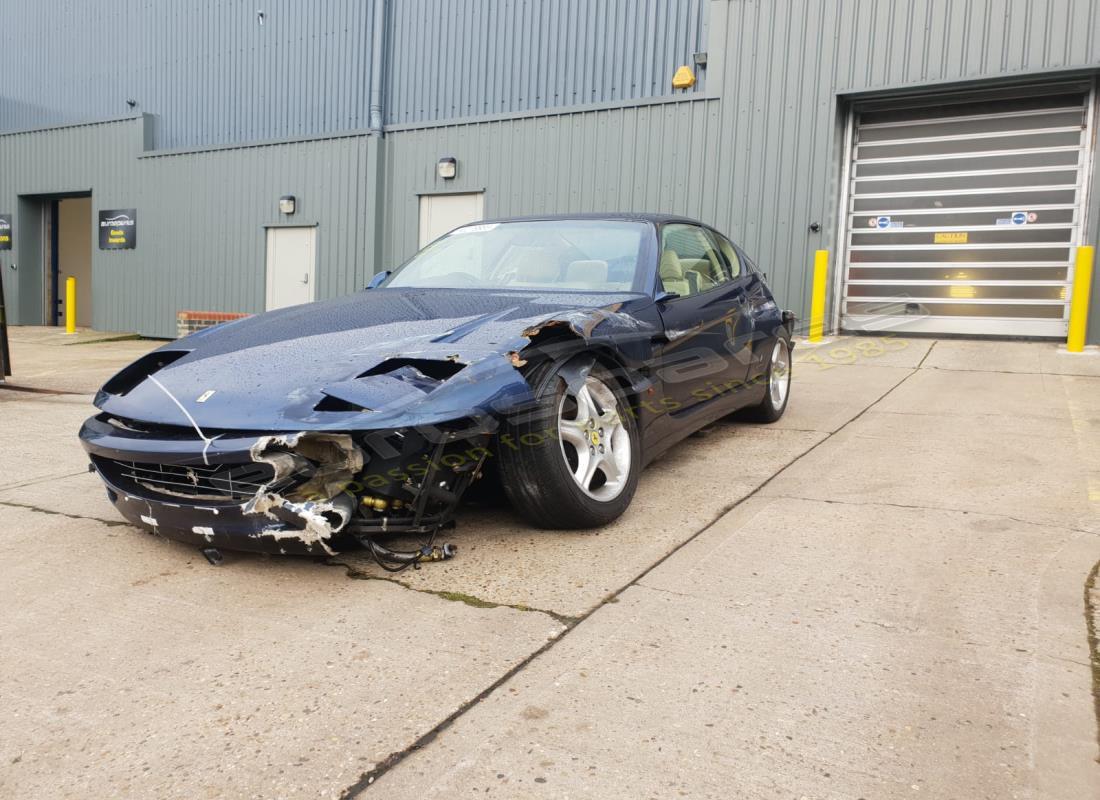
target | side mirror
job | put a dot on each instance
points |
(664, 297)
(378, 278)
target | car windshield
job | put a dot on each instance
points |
(579, 255)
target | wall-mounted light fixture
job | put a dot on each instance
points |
(447, 167)
(287, 204)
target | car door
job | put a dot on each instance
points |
(702, 311)
(761, 315)
(747, 345)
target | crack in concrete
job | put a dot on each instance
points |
(367, 779)
(1050, 525)
(11, 387)
(928, 352)
(43, 480)
(111, 523)
(973, 415)
(456, 597)
(1093, 637)
(1014, 372)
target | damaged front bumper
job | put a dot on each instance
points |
(307, 493)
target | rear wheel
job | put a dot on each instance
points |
(777, 384)
(575, 464)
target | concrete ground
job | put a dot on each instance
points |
(890, 593)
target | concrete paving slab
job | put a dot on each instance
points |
(77, 494)
(975, 441)
(799, 649)
(42, 359)
(11, 393)
(1058, 361)
(826, 396)
(981, 395)
(878, 351)
(949, 462)
(502, 560)
(55, 335)
(143, 672)
(38, 438)
(983, 601)
(1048, 358)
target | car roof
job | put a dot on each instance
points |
(619, 216)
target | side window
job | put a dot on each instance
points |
(690, 263)
(729, 253)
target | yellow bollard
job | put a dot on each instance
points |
(70, 305)
(1079, 300)
(817, 299)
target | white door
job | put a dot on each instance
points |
(291, 264)
(964, 212)
(442, 213)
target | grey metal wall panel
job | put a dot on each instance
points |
(209, 71)
(450, 59)
(201, 219)
(213, 74)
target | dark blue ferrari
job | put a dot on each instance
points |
(558, 355)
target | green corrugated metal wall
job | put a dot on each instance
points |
(201, 218)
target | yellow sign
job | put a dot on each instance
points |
(951, 237)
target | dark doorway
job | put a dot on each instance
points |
(54, 238)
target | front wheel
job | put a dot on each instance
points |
(777, 384)
(575, 463)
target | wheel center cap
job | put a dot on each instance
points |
(594, 437)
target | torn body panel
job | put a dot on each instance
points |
(295, 504)
(315, 494)
(273, 372)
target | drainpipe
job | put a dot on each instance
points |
(377, 43)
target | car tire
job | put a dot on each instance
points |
(777, 384)
(543, 464)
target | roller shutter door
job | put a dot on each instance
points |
(964, 212)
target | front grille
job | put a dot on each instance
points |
(235, 482)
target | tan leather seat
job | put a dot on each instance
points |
(699, 272)
(589, 273)
(533, 266)
(672, 274)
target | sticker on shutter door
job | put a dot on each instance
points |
(951, 237)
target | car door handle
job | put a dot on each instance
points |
(305, 278)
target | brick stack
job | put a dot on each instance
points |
(190, 321)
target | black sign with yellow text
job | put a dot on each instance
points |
(5, 231)
(118, 229)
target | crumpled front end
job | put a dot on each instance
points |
(306, 432)
(308, 493)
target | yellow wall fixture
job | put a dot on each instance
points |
(684, 78)
(70, 305)
(817, 299)
(1079, 301)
